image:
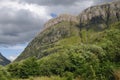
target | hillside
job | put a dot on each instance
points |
(67, 30)
(83, 47)
(3, 60)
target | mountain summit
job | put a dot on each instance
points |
(66, 30)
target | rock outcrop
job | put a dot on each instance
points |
(61, 18)
(101, 14)
(3, 61)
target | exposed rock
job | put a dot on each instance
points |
(101, 14)
(48, 40)
(66, 27)
(63, 17)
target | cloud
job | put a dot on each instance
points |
(102, 1)
(62, 2)
(52, 2)
(12, 58)
(66, 6)
(74, 9)
(62, 6)
(16, 47)
(11, 52)
(19, 23)
(20, 20)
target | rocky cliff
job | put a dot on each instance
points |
(61, 18)
(102, 15)
(3, 60)
(66, 30)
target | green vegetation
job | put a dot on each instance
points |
(89, 50)
(44, 78)
(25, 69)
(52, 40)
(4, 75)
(95, 58)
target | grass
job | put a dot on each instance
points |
(48, 78)
(44, 78)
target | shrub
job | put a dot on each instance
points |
(4, 75)
(24, 69)
(111, 45)
(69, 75)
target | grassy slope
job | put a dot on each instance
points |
(87, 37)
(52, 39)
(79, 38)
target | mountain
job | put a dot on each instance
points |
(82, 47)
(66, 30)
(100, 16)
(3, 61)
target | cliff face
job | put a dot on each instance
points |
(3, 60)
(66, 29)
(102, 15)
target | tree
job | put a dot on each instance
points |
(24, 69)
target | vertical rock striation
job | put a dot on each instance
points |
(101, 15)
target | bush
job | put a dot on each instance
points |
(111, 45)
(86, 61)
(69, 75)
(4, 75)
(14, 69)
(54, 64)
(24, 69)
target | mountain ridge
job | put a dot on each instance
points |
(105, 13)
(60, 18)
(69, 29)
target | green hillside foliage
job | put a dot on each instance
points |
(4, 75)
(93, 58)
(26, 68)
(52, 39)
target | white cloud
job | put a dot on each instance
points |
(85, 3)
(16, 47)
(12, 58)
(34, 8)
(74, 9)
(20, 20)
(12, 52)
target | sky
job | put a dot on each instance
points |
(22, 20)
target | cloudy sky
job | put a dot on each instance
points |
(21, 20)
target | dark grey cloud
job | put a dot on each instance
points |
(18, 26)
(52, 2)
(62, 2)
(21, 25)
(66, 6)
(102, 1)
